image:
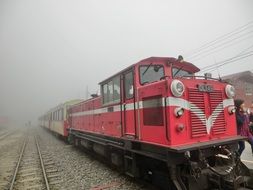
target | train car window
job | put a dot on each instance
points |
(116, 89)
(61, 114)
(105, 94)
(129, 92)
(58, 115)
(110, 91)
(151, 73)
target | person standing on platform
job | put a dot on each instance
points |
(242, 121)
(251, 119)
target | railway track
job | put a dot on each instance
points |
(34, 170)
(5, 134)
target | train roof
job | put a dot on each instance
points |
(84, 101)
(176, 62)
(171, 60)
(67, 103)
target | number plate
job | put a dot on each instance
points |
(205, 88)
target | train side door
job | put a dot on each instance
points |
(128, 105)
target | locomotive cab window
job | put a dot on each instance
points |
(111, 91)
(180, 72)
(151, 73)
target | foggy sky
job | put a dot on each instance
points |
(51, 50)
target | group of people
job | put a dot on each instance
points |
(244, 121)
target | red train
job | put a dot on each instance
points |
(158, 121)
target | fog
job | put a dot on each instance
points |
(50, 50)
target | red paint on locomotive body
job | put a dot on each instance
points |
(158, 101)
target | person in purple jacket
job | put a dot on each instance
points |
(242, 121)
(251, 119)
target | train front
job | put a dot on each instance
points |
(204, 127)
(200, 120)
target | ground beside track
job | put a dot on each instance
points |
(75, 168)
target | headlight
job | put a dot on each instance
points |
(179, 111)
(177, 88)
(230, 91)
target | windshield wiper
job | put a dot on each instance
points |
(147, 69)
(178, 70)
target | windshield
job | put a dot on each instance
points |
(177, 72)
(151, 73)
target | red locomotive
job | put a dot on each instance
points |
(159, 121)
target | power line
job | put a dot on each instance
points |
(223, 37)
(225, 62)
(239, 58)
(246, 49)
(240, 54)
(223, 45)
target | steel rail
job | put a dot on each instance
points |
(3, 136)
(42, 164)
(18, 164)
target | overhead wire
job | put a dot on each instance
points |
(221, 38)
(227, 61)
(242, 52)
(224, 45)
(232, 61)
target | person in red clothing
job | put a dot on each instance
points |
(242, 121)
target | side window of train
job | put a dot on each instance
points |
(116, 89)
(129, 88)
(105, 94)
(61, 115)
(111, 91)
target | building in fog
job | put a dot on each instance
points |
(243, 83)
(3, 121)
